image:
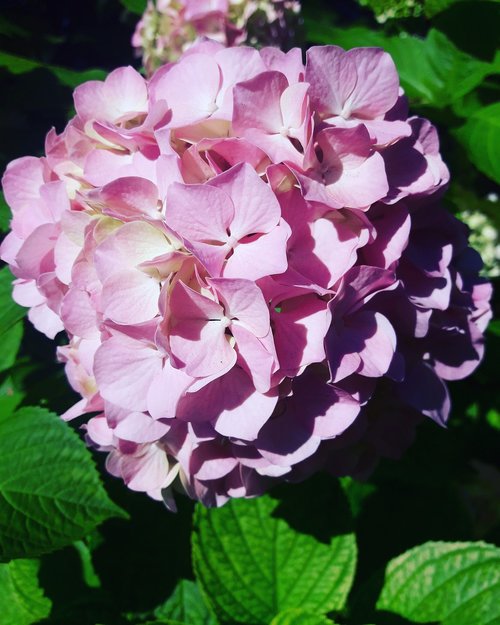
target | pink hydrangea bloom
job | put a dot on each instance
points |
(251, 262)
(169, 27)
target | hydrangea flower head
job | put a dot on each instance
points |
(252, 265)
(169, 27)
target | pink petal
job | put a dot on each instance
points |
(128, 247)
(378, 351)
(199, 213)
(21, 182)
(256, 208)
(166, 390)
(127, 198)
(45, 320)
(190, 88)
(244, 303)
(124, 369)
(258, 361)
(147, 472)
(361, 82)
(197, 337)
(299, 330)
(232, 403)
(130, 296)
(36, 255)
(263, 256)
(99, 431)
(289, 63)
(257, 103)
(377, 86)
(79, 314)
(140, 428)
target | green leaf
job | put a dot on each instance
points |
(68, 77)
(300, 617)
(50, 492)
(10, 398)
(167, 622)
(186, 604)
(11, 326)
(135, 6)
(11, 342)
(5, 214)
(21, 599)
(10, 312)
(433, 71)
(433, 7)
(252, 564)
(455, 583)
(481, 138)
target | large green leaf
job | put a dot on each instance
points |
(10, 312)
(254, 560)
(11, 326)
(300, 617)
(454, 583)
(10, 397)
(11, 341)
(433, 71)
(69, 77)
(50, 492)
(481, 137)
(186, 604)
(21, 599)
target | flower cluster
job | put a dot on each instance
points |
(251, 262)
(169, 27)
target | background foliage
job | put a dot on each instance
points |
(414, 544)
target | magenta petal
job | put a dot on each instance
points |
(213, 464)
(379, 346)
(300, 329)
(198, 343)
(426, 392)
(233, 404)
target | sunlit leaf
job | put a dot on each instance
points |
(481, 138)
(22, 601)
(252, 564)
(454, 583)
(50, 492)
